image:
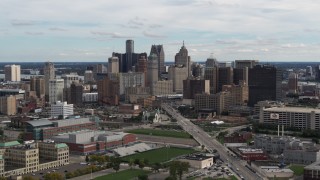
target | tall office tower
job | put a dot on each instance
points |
(142, 67)
(239, 93)
(152, 70)
(8, 105)
(113, 65)
(177, 74)
(108, 91)
(293, 83)
(245, 63)
(211, 61)
(211, 73)
(158, 50)
(76, 91)
(182, 58)
(37, 84)
(49, 73)
(88, 76)
(225, 77)
(240, 74)
(264, 84)
(12, 72)
(197, 70)
(56, 87)
(192, 87)
(129, 59)
(69, 79)
(309, 71)
(129, 53)
(130, 79)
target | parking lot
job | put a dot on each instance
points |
(218, 170)
(62, 170)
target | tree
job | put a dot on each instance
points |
(136, 161)
(28, 178)
(142, 164)
(3, 178)
(202, 147)
(131, 163)
(115, 163)
(173, 169)
(183, 167)
(87, 158)
(156, 167)
(53, 176)
(143, 177)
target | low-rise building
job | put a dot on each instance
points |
(312, 171)
(87, 141)
(250, 154)
(45, 129)
(198, 161)
(30, 157)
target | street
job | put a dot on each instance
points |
(210, 143)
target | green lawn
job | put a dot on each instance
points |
(123, 175)
(297, 169)
(158, 132)
(159, 155)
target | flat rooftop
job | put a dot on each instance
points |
(292, 109)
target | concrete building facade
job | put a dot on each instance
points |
(56, 90)
(12, 72)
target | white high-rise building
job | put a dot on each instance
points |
(12, 72)
(61, 108)
(56, 90)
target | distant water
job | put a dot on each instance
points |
(28, 76)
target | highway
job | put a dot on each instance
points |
(211, 143)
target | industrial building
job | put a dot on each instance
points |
(292, 149)
(45, 129)
(88, 141)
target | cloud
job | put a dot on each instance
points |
(34, 33)
(153, 35)
(57, 29)
(112, 35)
(22, 23)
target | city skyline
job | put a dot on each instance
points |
(91, 30)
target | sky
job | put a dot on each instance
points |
(90, 30)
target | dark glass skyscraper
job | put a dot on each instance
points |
(264, 84)
(128, 59)
(158, 50)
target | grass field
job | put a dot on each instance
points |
(297, 169)
(158, 132)
(159, 155)
(123, 175)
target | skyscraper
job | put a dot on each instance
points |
(37, 84)
(128, 59)
(264, 84)
(142, 67)
(158, 50)
(211, 73)
(56, 87)
(113, 65)
(225, 77)
(293, 83)
(12, 72)
(182, 58)
(152, 70)
(246, 63)
(49, 73)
